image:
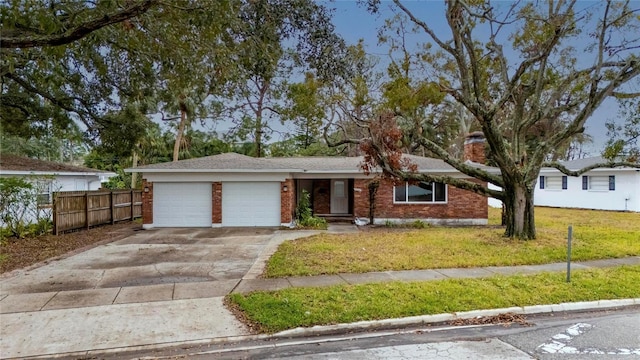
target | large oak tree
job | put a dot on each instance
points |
(530, 74)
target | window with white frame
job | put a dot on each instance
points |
(422, 192)
(44, 193)
(553, 182)
(599, 183)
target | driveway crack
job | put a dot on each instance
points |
(155, 266)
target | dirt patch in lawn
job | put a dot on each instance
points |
(22, 253)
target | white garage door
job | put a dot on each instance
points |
(182, 204)
(250, 204)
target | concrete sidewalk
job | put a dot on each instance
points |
(89, 322)
(248, 285)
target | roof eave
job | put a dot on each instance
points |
(55, 173)
(139, 170)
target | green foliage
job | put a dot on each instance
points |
(52, 145)
(15, 200)
(20, 213)
(276, 40)
(305, 110)
(304, 214)
(40, 227)
(137, 65)
(303, 210)
(419, 224)
(307, 306)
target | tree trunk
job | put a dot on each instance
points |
(373, 190)
(134, 175)
(258, 136)
(518, 208)
(176, 146)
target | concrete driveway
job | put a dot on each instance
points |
(161, 257)
(157, 286)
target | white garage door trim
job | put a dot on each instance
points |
(250, 204)
(182, 204)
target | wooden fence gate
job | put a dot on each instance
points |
(84, 209)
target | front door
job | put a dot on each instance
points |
(339, 196)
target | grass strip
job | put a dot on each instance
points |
(597, 235)
(290, 308)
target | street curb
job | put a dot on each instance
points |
(364, 326)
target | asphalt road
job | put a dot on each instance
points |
(613, 334)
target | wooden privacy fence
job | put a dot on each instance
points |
(84, 209)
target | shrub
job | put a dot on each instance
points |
(419, 224)
(20, 200)
(15, 200)
(390, 224)
(304, 215)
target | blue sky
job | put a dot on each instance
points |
(353, 22)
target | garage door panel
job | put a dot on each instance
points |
(182, 204)
(251, 204)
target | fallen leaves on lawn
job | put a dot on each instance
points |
(20, 253)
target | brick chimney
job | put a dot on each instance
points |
(474, 147)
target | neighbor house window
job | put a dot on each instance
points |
(422, 192)
(44, 197)
(600, 183)
(553, 182)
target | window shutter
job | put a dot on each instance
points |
(564, 183)
(585, 182)
(612, 183)
(541, 182)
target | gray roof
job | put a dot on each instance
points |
(226, 161)
(16, 163)
(232, 162)
(351, 164)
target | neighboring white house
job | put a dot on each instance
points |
(52, 176)
(602, 188)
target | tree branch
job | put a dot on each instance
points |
(563, 169)
(459, 165)
(51, 98)
(77, 32)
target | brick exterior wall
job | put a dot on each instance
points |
(216, 203)
(147, 202)
(361, 197)
(322, 196)
(461, 204)
(287, 201)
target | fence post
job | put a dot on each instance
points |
(113, 220)
(569, 236)
(55, 214)
(131, 205)
(86, 203)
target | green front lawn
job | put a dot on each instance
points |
(597, 235)
(290, 308)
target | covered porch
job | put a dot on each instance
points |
(332, 199)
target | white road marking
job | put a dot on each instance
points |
(559, 344)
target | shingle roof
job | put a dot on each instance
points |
(326, 164)
(21, 163)
(226, 161)
(230, 162)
